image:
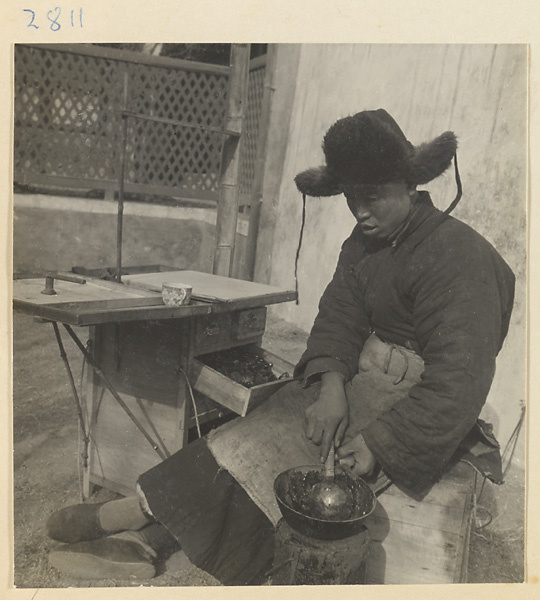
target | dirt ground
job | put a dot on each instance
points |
(46, 467)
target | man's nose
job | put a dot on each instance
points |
(361, 211)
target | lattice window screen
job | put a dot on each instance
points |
(173, 156)
(67, 122)
(65, 119)
(248, 155)
(180, 95)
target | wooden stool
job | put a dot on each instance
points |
(426, 541)
(303, 560)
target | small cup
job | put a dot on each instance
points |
(176, 294)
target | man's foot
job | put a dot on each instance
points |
(85, 522)
(76, 523)
(107, 558)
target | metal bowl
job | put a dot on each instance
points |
(292, 489)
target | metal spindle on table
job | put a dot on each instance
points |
(120, 220)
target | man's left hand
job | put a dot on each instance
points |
(357, 456)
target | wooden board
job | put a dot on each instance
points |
(142, 362)
(93, 294)
(423, 542)
(135, 313)
(213, 288)
(119, 451)
(96, 301)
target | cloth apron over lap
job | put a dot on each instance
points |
(257, 448)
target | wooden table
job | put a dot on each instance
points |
(146, 353)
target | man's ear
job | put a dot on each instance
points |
(411, 190)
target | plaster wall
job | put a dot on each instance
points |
(479, 92)
(57, 233)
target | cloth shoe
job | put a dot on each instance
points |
(85, 522)
(76, 523)
(106, 558)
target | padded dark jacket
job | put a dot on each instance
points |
(440, 289)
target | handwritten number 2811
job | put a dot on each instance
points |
(53, 17)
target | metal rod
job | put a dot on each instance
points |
(80, 415)
(71, 277)
(120, 221)
(49, 286)
(152, 426)
(132, 115)
(109, 386)
(50, 277)
(330, 463)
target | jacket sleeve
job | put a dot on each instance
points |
(341, 326)
(462, 300)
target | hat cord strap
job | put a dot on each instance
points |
(299, 246)
(459, 188)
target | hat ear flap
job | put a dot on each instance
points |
(431, 159)
(317, 182)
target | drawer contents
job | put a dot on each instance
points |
(243, 365)
(240, 378)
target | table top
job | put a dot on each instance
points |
(97, 301)
(206, 286)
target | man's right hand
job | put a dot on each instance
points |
(328, 418)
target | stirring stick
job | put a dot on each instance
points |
(329, 465)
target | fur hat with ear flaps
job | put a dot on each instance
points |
(370, 148)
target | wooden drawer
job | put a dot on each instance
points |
(233, 395)
(219, 331)
(251, 323)
(214, 330)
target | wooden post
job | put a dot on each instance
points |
(91, 407)
(262, 142)
(227, 213)
(183, 399)
(303, 560)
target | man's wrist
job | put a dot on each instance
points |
(332, 378)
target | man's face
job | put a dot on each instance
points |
(380, 209)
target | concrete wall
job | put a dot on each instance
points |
(57, 233)
(477, 91)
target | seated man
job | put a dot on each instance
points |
(397, 368)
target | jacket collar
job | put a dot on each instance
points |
(423, 220)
